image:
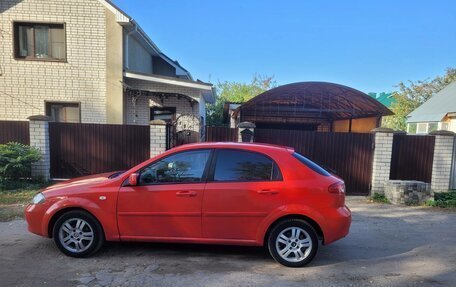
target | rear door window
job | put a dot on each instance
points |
(310, 164)
(239, 165)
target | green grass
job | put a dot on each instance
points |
(443, 200)
(15, 195)
(379, 198)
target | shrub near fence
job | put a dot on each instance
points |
(14, 131)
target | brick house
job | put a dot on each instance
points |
(87, 61)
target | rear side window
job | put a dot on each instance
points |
(310, 164)
(236, 165)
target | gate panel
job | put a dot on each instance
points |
(14, 131)
(221, 134)
(349, 155)
(82, 149)
(412, 157)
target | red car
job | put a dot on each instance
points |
(210, 193)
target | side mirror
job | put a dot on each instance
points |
(133, 179)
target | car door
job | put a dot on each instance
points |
(167, 201)
(243, 188)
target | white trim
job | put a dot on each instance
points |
(121, 17)
(170, 81)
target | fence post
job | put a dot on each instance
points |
(443, 157)
(383, 149)
(246, 131)
(157, 137)
(39, 138)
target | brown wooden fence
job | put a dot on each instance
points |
(14, 131)
(349, 155)
(412, 157)
(80, 149)
(221, 134)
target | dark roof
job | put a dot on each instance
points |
(333, 100)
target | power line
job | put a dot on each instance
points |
(24, 102)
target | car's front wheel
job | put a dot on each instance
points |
(78, 234)
(293, 243)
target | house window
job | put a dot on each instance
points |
(39, 41)
(166, 114)
(421, 128)
(411, 128)
(432, 127)
(64, 112)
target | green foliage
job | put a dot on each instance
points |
(236, 92)
(16, 160)
(443, 200)
(411, 95)
(380, 198)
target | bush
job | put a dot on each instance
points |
(16, 160)
(443, 200)
(377, 197)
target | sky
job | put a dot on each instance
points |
(368, 45)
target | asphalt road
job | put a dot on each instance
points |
(387, 246)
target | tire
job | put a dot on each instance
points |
(78, 234)
(296, 251)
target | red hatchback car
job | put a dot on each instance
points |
(211, 193)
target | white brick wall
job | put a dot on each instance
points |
(382, 161)
(157, 139)
(441, 166)
(140, 114)
(39, 138)
(81, 79)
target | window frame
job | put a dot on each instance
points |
(16, 56)
(203, 177)
(156, 108)
(210, 178)
(49, 103)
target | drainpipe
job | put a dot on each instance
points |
(127, 49)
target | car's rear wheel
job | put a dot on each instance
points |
(78, 234)
(293, 243)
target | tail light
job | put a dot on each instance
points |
(337, 188)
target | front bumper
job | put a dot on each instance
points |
(337, 224)
(34, 214)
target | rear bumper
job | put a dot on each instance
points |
(337, 224)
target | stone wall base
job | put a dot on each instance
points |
(409, 192)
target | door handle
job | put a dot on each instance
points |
(186, 193)
(268, 191)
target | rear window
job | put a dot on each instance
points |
(310, 164)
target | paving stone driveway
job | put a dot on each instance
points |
(387, 246)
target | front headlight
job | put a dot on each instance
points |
(39, 198)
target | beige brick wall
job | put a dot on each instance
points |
(81, 79)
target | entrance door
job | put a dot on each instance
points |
(167, 201)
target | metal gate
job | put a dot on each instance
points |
(81, 149)
(348, 155)
(184, 130)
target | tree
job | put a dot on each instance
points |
(236, 92)
(411, 95)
